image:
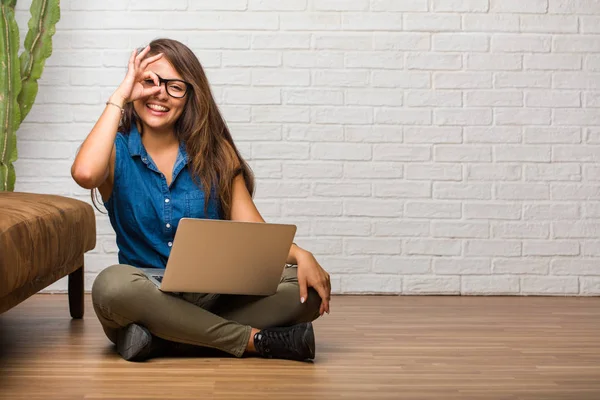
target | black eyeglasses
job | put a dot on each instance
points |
(175, 87)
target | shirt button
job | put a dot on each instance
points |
(168, 225)
(170, 244)
(166, 200)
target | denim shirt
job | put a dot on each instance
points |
(143, 210)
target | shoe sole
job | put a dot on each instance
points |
(132, 341)
(309, 339)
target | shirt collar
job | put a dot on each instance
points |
(182, 156)
(136, 148)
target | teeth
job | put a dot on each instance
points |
(157, 107)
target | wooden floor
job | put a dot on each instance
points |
(368, 348)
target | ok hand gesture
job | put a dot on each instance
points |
(132, 87)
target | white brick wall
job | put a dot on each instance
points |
(421, 146)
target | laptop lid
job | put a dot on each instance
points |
(227, 257)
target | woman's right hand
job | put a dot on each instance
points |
(132, 87)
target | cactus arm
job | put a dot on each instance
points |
(38, 47)
(10, 85)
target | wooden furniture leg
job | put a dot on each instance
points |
(76, 293)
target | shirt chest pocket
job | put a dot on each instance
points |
(194, 204)
(139, 210)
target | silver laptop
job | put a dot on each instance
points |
(225, 257)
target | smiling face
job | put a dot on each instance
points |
(159, 112)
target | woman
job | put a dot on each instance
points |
(161, 151)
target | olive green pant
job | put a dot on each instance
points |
(122, 295)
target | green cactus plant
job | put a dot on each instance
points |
(19, 74)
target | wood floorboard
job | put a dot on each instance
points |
(370, 347)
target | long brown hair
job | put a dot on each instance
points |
(213, 157)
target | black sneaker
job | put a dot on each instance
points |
(293, 343)
(135, 343)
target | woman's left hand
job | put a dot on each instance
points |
(311, 274)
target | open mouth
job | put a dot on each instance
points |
(156, 109)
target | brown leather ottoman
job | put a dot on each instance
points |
(42, 239)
